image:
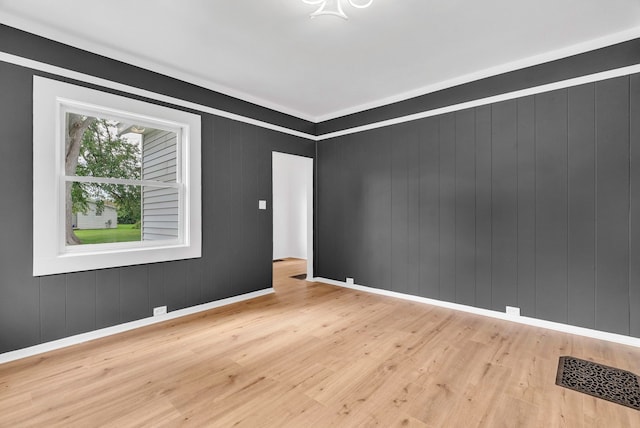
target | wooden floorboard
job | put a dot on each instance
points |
(315, 355)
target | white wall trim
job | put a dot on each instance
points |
(556, 326)
(120, 328)
(59, 71)
(563, 84)
(82, 77)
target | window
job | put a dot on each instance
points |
(116, 180)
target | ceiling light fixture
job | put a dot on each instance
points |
(334, 7)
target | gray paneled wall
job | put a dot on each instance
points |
(237, 241)
(532, 202)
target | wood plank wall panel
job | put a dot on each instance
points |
(134, 293)
(523, 203)
(351, 195)
(526, 239)
(447, 288)
(504, 205)
(612, 206)
(81, 302)
(465, 211)
(405, 215)
(551, 205)
(429, 207)
(413, 207)
(247, 226)
(155, 279)
(193, 282)
(581, 231)
(634, 209)
(219, 209)
(173, 276)
(483, 196)
(236, 220)
(236, 172)
(19, 290)
(330, 217)
(400, 210)
(108, 295)
(53, 305)
(377, 228)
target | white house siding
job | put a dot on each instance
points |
(91, 220)
(159, 205)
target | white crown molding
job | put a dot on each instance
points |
(120, 328)
(55, 34)
(618, 72)
(572, 50)
(564, 328)
(78, 42)
(40, 66)
(86, 78)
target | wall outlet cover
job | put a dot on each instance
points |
(350, 281)
(513, 310)
(262, 204)
(160, 310)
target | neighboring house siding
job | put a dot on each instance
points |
(159, 206)
(91, 220)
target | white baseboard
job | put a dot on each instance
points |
(120, 328)
(565, 328)
(104, 332)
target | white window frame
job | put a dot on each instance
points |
(51, 100)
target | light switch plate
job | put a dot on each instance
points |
(262, 204)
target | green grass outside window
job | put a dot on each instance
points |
(123, 233)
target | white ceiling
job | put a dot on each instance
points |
(271, 53)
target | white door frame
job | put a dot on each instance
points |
(310, 197)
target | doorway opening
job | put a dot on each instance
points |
(293, 209)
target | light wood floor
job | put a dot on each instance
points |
(314, 355)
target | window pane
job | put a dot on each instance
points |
(106, 213)
(102, 213)
(160, 213)
(98, 147)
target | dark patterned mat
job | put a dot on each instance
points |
(608, 383)
(301, 276)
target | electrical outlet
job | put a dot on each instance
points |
(512, 310)
(350, 281)
(160, 310)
